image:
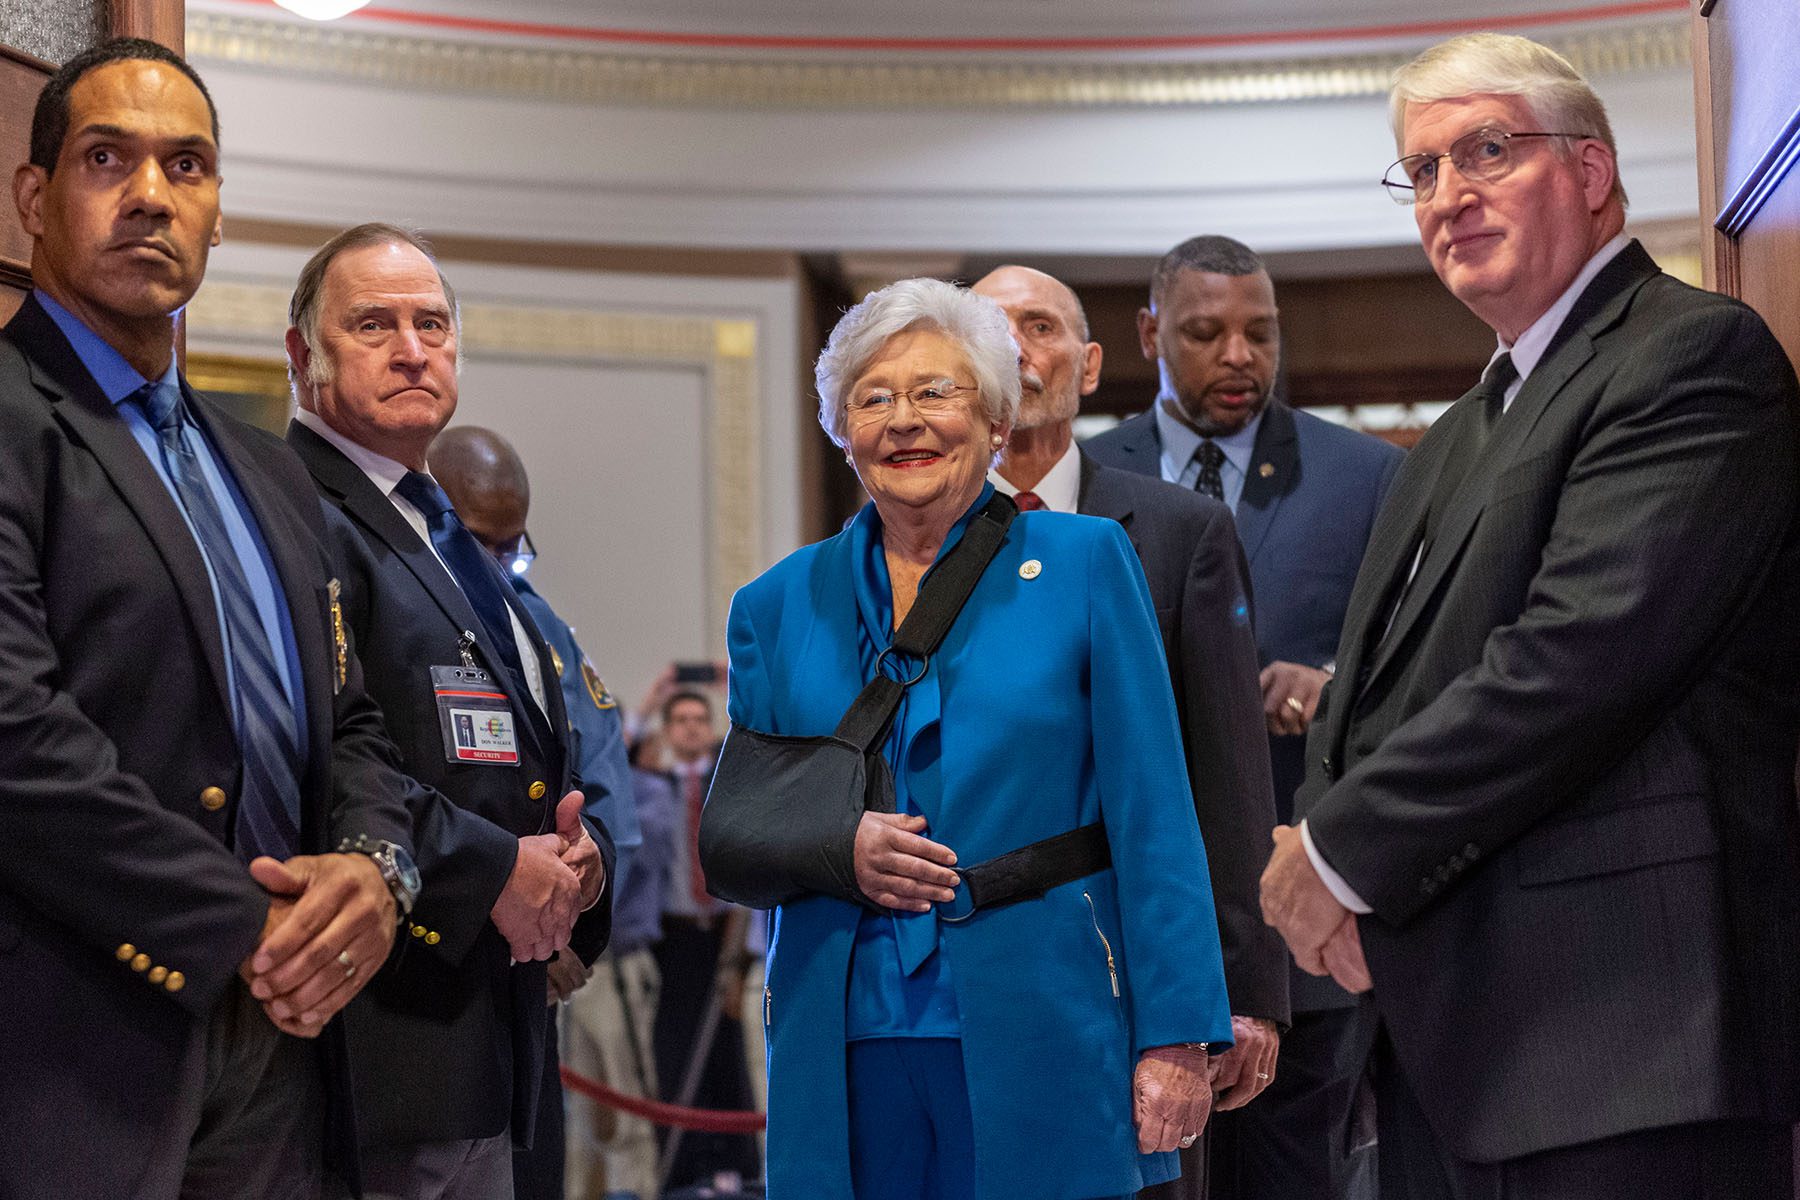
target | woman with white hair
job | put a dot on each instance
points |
(1038, 1027)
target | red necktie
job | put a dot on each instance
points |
(696, 800)
(1028, 501)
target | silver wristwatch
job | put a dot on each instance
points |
(394, 863)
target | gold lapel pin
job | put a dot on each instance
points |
(1266, 470)
(1031, 568)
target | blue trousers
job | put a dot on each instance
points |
(911, 1135)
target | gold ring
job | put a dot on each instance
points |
(1293, 702)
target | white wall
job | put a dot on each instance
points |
(664, 462)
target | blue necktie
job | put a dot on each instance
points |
(473, 568)
(268, 814)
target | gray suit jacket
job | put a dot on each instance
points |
(1200, 587)
(1564, 778)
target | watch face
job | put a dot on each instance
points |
(407, 872)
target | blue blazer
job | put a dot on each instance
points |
(1308, 505)
(1050, 699)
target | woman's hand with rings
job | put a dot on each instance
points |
(1171, 1097)
(898, 867)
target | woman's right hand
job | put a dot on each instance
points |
(897, 867)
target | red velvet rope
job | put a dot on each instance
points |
(705, 1120)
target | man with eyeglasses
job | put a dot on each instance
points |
(1550, 815)
(448, 1046)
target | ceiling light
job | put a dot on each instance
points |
(322, 10)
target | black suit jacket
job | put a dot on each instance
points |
(1564, 778)
(1200, 587)
(1304, 517)
(114, 719)
(449, 1041)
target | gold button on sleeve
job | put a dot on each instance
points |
(157, 974)
(175, 982)
(140, 963)
(418, 931)
(212, 799)
(124, 952)
(536, 790)
(432, 938)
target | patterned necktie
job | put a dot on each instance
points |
(696, 802)
(1486, 400)
(473, 568)
(268, 813)
(1210, 458)
(1028, 501)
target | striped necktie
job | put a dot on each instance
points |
(268, 813)
(1210, 458)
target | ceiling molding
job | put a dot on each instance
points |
(584, 77)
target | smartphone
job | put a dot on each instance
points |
(696, 672)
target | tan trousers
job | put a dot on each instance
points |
(607, 1150)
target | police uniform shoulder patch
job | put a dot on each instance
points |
(556, 662)
(602, 698)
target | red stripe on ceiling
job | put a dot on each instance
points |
(748, 41)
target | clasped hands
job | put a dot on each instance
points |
(556, 877)
(332, 919)
(1321, 932)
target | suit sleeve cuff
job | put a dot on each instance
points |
(1341, 891)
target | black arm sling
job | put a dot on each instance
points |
(781, 817)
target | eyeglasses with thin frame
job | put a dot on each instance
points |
(1484, 155)
(932, 399)
(516, 557)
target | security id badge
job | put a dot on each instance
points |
(474, 717)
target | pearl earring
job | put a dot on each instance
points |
(998, 441)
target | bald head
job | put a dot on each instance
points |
(485, 479)
(1058, 365)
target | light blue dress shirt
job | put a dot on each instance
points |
(1178, 446)
(119, 382)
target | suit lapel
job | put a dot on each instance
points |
(376, 513)
(1274, 471)
(1096, 499)
(1599, 308)
(88, 415)
(1141, 441)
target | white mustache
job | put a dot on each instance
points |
(1030, 382)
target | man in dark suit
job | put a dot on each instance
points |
(1198, 582)
(1304, 493)
(1550, 809)
(449, 1043)
(206, 836)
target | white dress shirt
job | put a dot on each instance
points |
(1526, 353)
(1059, 489)
(386, 475)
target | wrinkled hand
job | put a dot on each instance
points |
(537, 908)
(1291, 696)
(565, 975)
(1171, 1097)
(1343, 955)
(1241, 1073)
(580, 853)
(321, 906)
(897, 867)
(1297, 903)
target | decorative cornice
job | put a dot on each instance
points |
(586, 77)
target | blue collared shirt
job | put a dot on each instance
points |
(119, 382)
(1179, 443)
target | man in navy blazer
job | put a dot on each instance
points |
(1199, 586)
(449, 1044)
(1305, 494)
(179, 709)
